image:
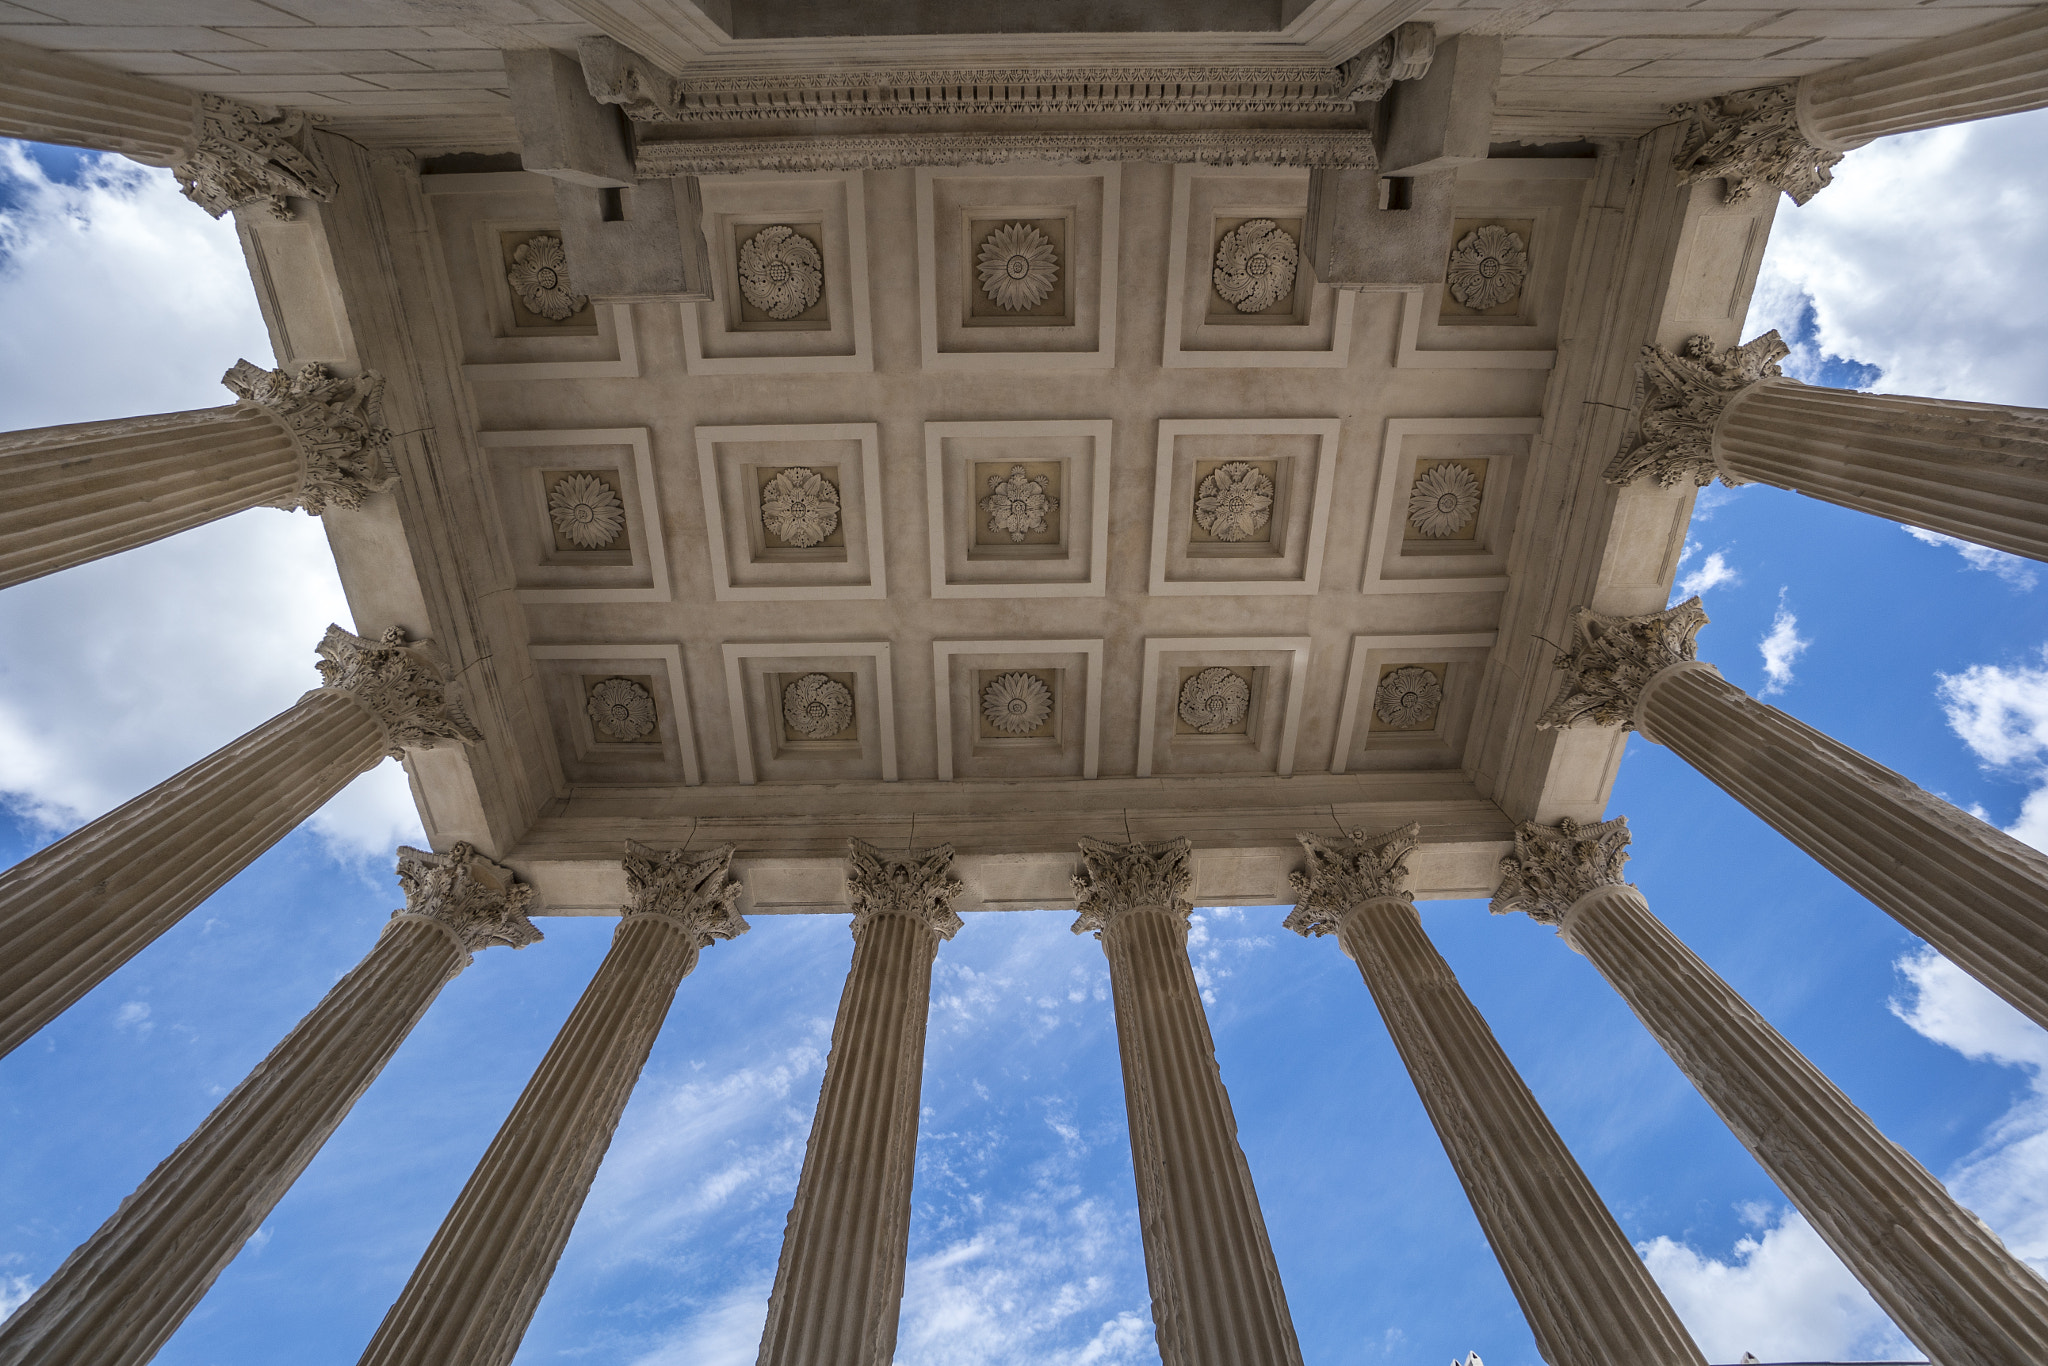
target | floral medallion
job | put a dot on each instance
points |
(620, 709)
(1255, 265)
(1235, 502)
(1488, 267)
(540, 277)
(799, 507)
(585, 511)
(1018, 266)
(1018, 503)
(1443, 501)
(817, 707)
(781, 273)
(1016, 703)
(1407, 698)
(1215, 700)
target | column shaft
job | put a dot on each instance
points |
(76, 493)
(1969, 469)
(1588, 1298)
(1998, 68)
(839, 1284)
(1216, 1293)
(121, 1295)
(48, 97)
(1944, 1278)
(1969, 889)
(75, 911)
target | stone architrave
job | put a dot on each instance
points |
(73, 912)
(223, 152)
(1972, 891)
(1216, 1293)
(476, 1287)
(1588, 1298)
(1933, 1266)
(1972, 470)
(839, 1283)
(72, 494)
(1790, 137)
(120, 1296)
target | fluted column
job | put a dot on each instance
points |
(1945, 1278)
(73, 912)
(72, 494)
(839, 1284)
(1963, 885)
(1216, 1293)
(1972, 470)
(223, 152)
(474, 1292)
(120, 1296)
(1790, 136)
(1588, 1297)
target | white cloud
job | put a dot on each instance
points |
(2002, 715)
(1712, 572)
(1780, 647)
(728, 1333)
(2014, 570)
(14, 1292)
(134, 1015)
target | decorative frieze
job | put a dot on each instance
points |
(1752, 138)
(1612, 659)
(1235, 501)
(1255, 264)
(918, 883)
(1116, 879)
(1335, 148)
(1553, 866)
(242, 154)
(478, 903)
(1680, 396)
(1018, 266)
(781, 272)
(337, 425)
(1215, 701)
(1343, 873)
(699, 894)
(1488, 267)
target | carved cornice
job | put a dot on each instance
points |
(242, 154)
(336, 424)
(1343, 873)
(1751, 138)
(404, 686)
(478, 902)
(701, 895)
(1612, 659)
(1119, 878)
(917, 883)
(1312, 147)
(1553, 866)
(1680, 396)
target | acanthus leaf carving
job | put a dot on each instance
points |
(1752, 138)
(478, 902)
(242, 154)
(1116, 879)
(1343, 873)
(336, 425)
(1408, 696)
(800, 506)
(1235, 501)
(1680, 396)
(1255, 265)
(1215, 701)
(403, 685)
(620, 709)
(1018, 503)
(539, 275)
(1488, 267)
(1553, 866)
(1403, 55)
(781, 273)
(817, 706)
(701, 895)
(1612, 659)
(918, 883)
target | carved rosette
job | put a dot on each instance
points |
(620, 709)
(1343, 873)
(1235, 502)
(1488, 267)
(1443, 500)
(1680, 397)
(817, 706)
(918, 883)
(539, 275)
(800, 506)
(1408, 697)
(1255, 265)
(781, 273)
(244, 155)
(1215, 701)
(1553, 866)
(1612, 659)
(1018, 267)
(701, 895)
(1016, 703)
(479, 902)
(1116, 879)
(404, 686)
(1019, 503)
(1752, 138)
(586, 512)
(336, 424)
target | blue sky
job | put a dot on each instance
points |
(1024, 1244)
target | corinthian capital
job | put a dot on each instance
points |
(1680, 397)
(1343, 873)
(1553, 866)
(701, 895)
(1119, 878)
(1403, 55)
(1612, 659)
(477, 901)
(405, 686)
(918, 883)
(337, 425)
(1751, 138)
(242, 154)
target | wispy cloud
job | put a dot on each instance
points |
(2001, 713)
(1781, 645)
(2014, 570)
(14, 1292)
(134, 1015)
(1712, 572)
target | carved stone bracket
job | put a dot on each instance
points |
(1751, 138)
(242, 154)
(700, 895)
(1680, 397)
(1120, 878)
(917, 883)
(1612, 659)
(478, 902)
(1343, 873)
(1553, 866)
(337, 425)
(404, 686)
(1403, 55)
